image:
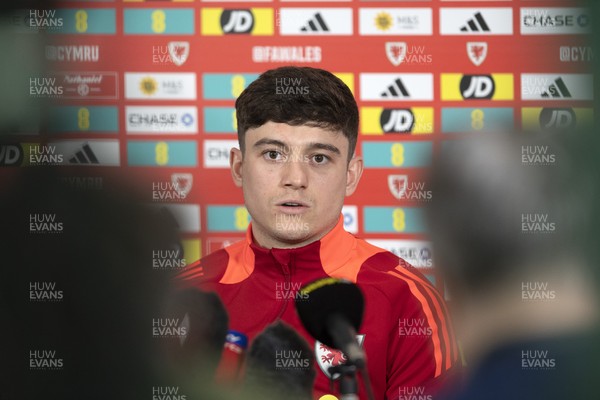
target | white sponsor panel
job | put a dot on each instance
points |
(476, 21)
(161, 119)
(385, 86)
(315, 21)
(160, 86)
(186, 215)
(350, 214)
(395, 21)
(216, 153)
(89, 152)
(557, 87)
(416, 252)
(555, 21)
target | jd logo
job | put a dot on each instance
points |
(477, 87)
(557, 118)
(11, 155)
(397, 120)
(237, 21)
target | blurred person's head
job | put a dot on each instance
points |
(204, 320)
(280, 364)
(508, 220)
(79, 296)
(297, 129)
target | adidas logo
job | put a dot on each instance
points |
(396, 89)
(476, 24)
(84, 156)
(316, 24)
(557, 90)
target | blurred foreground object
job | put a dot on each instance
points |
(280, 364)
(509, 219)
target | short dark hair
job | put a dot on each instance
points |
(298, 96)
(262, 373)
(202, 347)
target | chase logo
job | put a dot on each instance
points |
(253, 21)
(555, 20)
(477, 87)
(550, 118)
(161, 119)
(379, 121)
(216, 153)
(149, 21)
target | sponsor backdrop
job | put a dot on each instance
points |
(148, 88)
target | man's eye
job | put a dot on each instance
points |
(272, 155)
(320, 158)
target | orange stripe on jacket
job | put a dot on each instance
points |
(430, 319)
(428, 284)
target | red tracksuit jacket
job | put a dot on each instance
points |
(407, 337)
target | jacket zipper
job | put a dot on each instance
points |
(287, 276)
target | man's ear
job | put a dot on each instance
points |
(235, 163)
(355, 170)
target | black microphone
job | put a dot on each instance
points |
(331, 310)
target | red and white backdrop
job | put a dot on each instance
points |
(148, 88)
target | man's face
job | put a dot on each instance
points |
(294, 180)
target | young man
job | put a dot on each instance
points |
(297, 129)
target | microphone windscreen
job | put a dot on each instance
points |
(320, 300)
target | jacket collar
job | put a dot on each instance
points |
(330, 252)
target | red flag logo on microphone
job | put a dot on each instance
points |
(327, 357)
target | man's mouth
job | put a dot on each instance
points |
(292, 204)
